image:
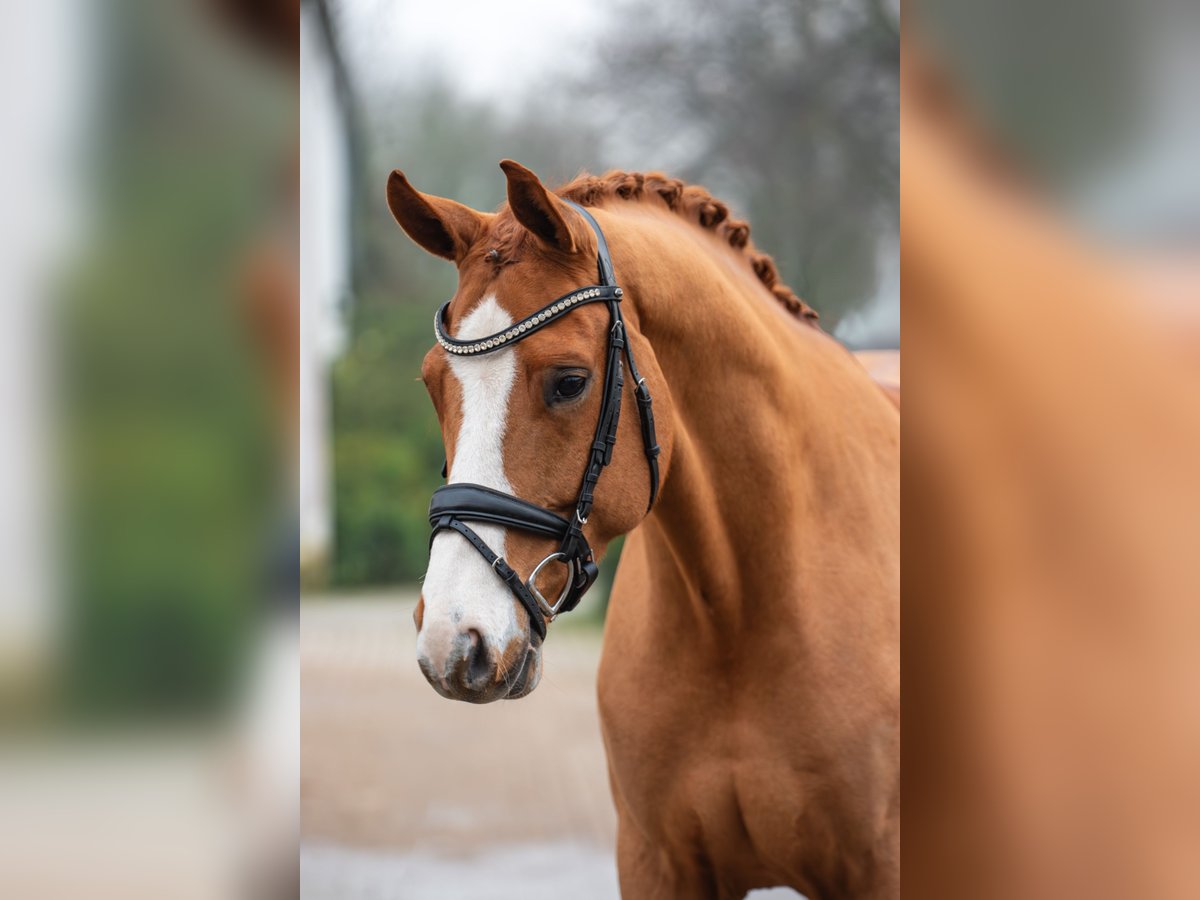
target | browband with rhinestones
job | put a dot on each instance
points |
(521, 330)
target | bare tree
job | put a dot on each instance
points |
(790, 110)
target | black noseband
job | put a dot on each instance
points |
(453, 505)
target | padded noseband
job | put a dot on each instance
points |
(453, 505)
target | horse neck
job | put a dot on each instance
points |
(785, 461)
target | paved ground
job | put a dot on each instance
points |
(528, 872)
(409, 796)
(405, 794)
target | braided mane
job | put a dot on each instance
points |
(696, 205)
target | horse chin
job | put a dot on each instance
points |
(528, 676)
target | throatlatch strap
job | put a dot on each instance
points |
(646, 415)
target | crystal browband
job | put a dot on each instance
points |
(524, 328)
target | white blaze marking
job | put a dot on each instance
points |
(461, 591)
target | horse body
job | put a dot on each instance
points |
(749, 682)
(749, 685)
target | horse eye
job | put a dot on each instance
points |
(569, 386)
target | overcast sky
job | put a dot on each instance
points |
(484, 46)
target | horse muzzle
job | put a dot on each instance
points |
(467, 667)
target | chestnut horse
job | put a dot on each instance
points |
(749, 685)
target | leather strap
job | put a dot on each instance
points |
(607, 277)
(536, 620)
(646, 415)
(604, 264)
(477, 503)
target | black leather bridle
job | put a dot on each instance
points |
(453, 505)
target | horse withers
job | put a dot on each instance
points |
(749, 685)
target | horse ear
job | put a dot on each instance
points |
(542, 213)
(441, 226)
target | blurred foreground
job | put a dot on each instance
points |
(1051, 589)
(148, 327)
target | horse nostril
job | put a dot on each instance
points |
(479, 667)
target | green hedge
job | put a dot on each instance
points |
(382, 484)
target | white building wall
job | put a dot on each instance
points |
(324, 268)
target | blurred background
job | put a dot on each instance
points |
(787, 111)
